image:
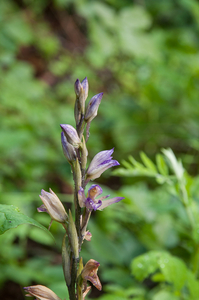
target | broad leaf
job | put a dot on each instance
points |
(11, 217)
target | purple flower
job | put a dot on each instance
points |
(100, 163)
(91, 203)
(71, 135)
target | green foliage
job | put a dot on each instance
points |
(11, 217)
(167, 269)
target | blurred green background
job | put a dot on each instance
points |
(144, 56)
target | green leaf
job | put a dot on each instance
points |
(162, 167)
(173, 269)
(148, 163)
(11, 217)
(193, 285)
(176, 165)
(164, 295)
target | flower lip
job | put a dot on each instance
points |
(91, 203)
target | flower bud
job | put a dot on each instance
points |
(41, 292)
(92, 108)
(71, 135)
(53, 206)
(68, 149)
(78, 87)
(81, 91)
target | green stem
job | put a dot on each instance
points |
(71, 287)
(186, 204)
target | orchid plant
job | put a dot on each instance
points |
(74, 148)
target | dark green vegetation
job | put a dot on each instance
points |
(144, 56)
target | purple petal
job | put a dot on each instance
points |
(110, 201)
(103, 197)
(90, 204)
(99, 158)
(42, 208)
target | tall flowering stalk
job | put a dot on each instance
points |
(74, 148)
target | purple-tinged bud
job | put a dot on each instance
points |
(41, 292)
(85, 87)
(53, 206)
(68, 149)
(81, 91)
(71, 135)
(78, 87)
(100, 163)
(92, 108)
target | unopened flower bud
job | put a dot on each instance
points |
(92, 108)
(78, 87)
(68, 149)
(85, 87)
(41, 292)
(71, 135)
(53, 206)
(81, 91)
